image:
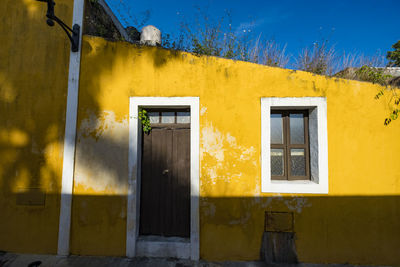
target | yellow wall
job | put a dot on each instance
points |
(357, 222)
(34, 62)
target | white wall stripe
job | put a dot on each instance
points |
(69, 138)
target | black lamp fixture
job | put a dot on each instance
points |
(73, 34)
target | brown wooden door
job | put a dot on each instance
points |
(165, 181)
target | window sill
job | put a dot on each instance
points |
(292, 182)
(296, 187)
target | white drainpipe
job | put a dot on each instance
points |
(70, 137)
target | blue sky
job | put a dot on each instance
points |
(362, 26)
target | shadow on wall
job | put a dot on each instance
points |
(343, 229)
(352, 229)
(34, 62)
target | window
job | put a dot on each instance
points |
(294, 145)
(180, 116)
(289, 145)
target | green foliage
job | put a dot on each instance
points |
(394, 56)
(374, 75)
(394, 102)
(144, 119)
(378, 95)
(393, 116)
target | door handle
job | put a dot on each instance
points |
(165, 172)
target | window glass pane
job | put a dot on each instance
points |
(296, 129)
(167, 117)
(297, 162)
(277, 162)
(183, 117)
(276, 129)
(154, 117)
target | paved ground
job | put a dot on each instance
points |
(24, 260)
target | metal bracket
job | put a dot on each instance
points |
(73, 34)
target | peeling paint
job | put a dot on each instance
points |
(98, 136)
(208, 209)
(297, 204)
(212, 143)
(223, 148)
(242, 220)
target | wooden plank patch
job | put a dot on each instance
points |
(278, 248)
(276, 221)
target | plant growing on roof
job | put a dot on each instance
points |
(217, 36)
(374, 75)
(318, 59)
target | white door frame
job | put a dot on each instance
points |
(175, 248)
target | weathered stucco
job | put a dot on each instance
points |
(33, 84)
(357, 222)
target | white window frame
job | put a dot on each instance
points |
(318, 145)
